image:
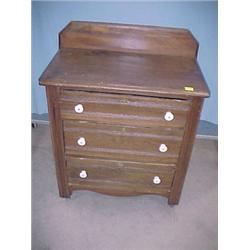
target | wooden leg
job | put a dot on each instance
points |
(65, 193)
(34, 125)
(173, 201)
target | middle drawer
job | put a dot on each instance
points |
(122, 142)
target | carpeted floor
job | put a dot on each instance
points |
(93, 221)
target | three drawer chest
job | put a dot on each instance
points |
(124, 102)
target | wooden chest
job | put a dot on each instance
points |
(124, 102)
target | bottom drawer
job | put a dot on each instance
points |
(119, 177)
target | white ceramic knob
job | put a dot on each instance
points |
(81, 141)
(79, 108)
(83, 174)
(169, 116)
(163, 148)
(156, 180)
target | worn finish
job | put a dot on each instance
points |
(121, 142)
(124, 104)
(102, 71)
(129, 39)
(120, 174)
(123, 109)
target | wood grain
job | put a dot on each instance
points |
(122, 189)
(129, 39)
(123, 109)
(121, 142)
(110, 163)
(119, 172)
(121, 178)
(114, 72)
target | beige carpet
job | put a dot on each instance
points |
(93, 221)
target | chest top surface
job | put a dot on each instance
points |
(128, 59)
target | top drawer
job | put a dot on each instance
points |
(123, 109)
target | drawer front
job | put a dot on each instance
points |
(147, 178)
(122, 142)
(122, 109)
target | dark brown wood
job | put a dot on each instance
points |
(116, 72)
(129, 39)
(145, 167)
(119, 173)
(124, 109)
(124, 189)
(121, 142)
(186, 150)
(126, 77)
(119, 177)
(57, 139)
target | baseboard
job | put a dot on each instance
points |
(40, 121)
(207, 137)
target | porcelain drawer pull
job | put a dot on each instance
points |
(81, 141)
(169, 116)
(83, 174)
(163, 148)
(79, 108)
(156, 180)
